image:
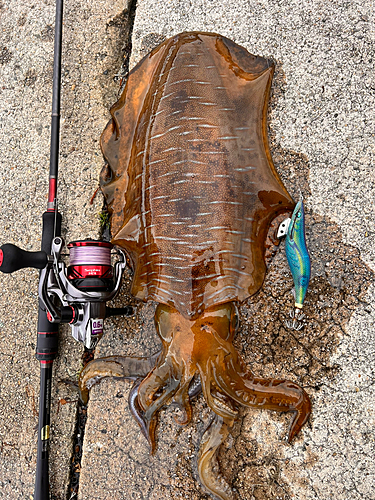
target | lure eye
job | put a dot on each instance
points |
(299, 215)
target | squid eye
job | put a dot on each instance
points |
(235, 322)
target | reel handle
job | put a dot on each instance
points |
(13, 258)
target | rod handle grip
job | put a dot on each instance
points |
(41, 491)
(13, 258)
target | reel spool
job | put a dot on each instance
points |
(90, 268)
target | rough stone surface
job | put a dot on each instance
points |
(322, 140)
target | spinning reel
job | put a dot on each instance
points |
(76, 294)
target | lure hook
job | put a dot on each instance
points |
(295, 323)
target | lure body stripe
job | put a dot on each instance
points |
(297, 254)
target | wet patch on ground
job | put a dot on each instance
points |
(338, 285)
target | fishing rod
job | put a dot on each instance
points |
(77, 294)
(14, 259)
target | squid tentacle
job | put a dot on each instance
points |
(193, 388)
(139, 415)
(212, 438)
(154, 392)
(182, 400)
(136, 410)
(128, 367)
(217, 405)
(150, 415)
(146, 420)
(147, 423)
(156, 379)
(161, 400)
(271, 394)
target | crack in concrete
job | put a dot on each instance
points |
(123, 24)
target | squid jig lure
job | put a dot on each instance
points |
(298, 259)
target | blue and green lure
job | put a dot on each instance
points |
(297, 255)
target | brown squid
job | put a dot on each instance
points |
(192, 191)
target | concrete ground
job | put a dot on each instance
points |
(321, 130)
